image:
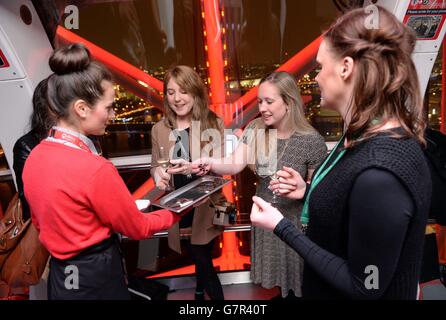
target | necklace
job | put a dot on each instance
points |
(265, 169)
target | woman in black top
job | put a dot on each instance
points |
(41, 122)
(367, 206)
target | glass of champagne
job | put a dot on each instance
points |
(274, 177)
(164, 162)
(266, 170)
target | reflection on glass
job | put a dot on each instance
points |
(326, 121)
(433, 94)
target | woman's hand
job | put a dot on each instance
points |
(161, 178)
(180, 166)
(264, 215)
(289, 184)
(202, 166)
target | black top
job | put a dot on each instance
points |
(374, 192)
(181, 151)
(21, 151)
(370, 211)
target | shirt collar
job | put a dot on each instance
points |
(79, 135)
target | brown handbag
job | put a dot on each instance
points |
(22, 257)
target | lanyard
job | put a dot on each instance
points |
(318, 177)
(56, 134)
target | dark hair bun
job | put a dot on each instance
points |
(70, 59)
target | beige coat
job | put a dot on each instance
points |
(203, 229)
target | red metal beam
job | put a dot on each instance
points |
(136, 80)
(214, 49)
(144, 189)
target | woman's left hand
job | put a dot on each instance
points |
(289, 184)
(180, 166)
(264, 215)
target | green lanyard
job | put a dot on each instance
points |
(318, 177)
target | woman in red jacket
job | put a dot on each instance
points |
(77, 198)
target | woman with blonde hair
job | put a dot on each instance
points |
(280, 137)
(367, 206)
(179, 136)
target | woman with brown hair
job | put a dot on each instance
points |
(77, 199)
(179, 137)
(366, 208)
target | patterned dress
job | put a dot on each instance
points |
(273, 263)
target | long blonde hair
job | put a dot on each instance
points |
(290, 93)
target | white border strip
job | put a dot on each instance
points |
(131, 160)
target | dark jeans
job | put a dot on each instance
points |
(94, 274)
(207, 278)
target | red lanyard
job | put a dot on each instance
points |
(69, 138)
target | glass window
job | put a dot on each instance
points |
(432, 98)
(256, 37)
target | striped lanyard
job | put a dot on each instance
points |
(65, 136)
(318, 177)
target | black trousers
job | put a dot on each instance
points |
(94, 274)
(207, 278)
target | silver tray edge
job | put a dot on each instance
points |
(187, 187)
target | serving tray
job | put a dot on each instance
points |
(190, 194)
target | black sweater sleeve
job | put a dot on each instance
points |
(380, 212)
(22, 149)
(20, 152)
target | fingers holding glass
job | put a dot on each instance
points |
(164, 163)
(162, 178)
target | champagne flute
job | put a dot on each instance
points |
(268, 170)
(274, 177)
(164, 162)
